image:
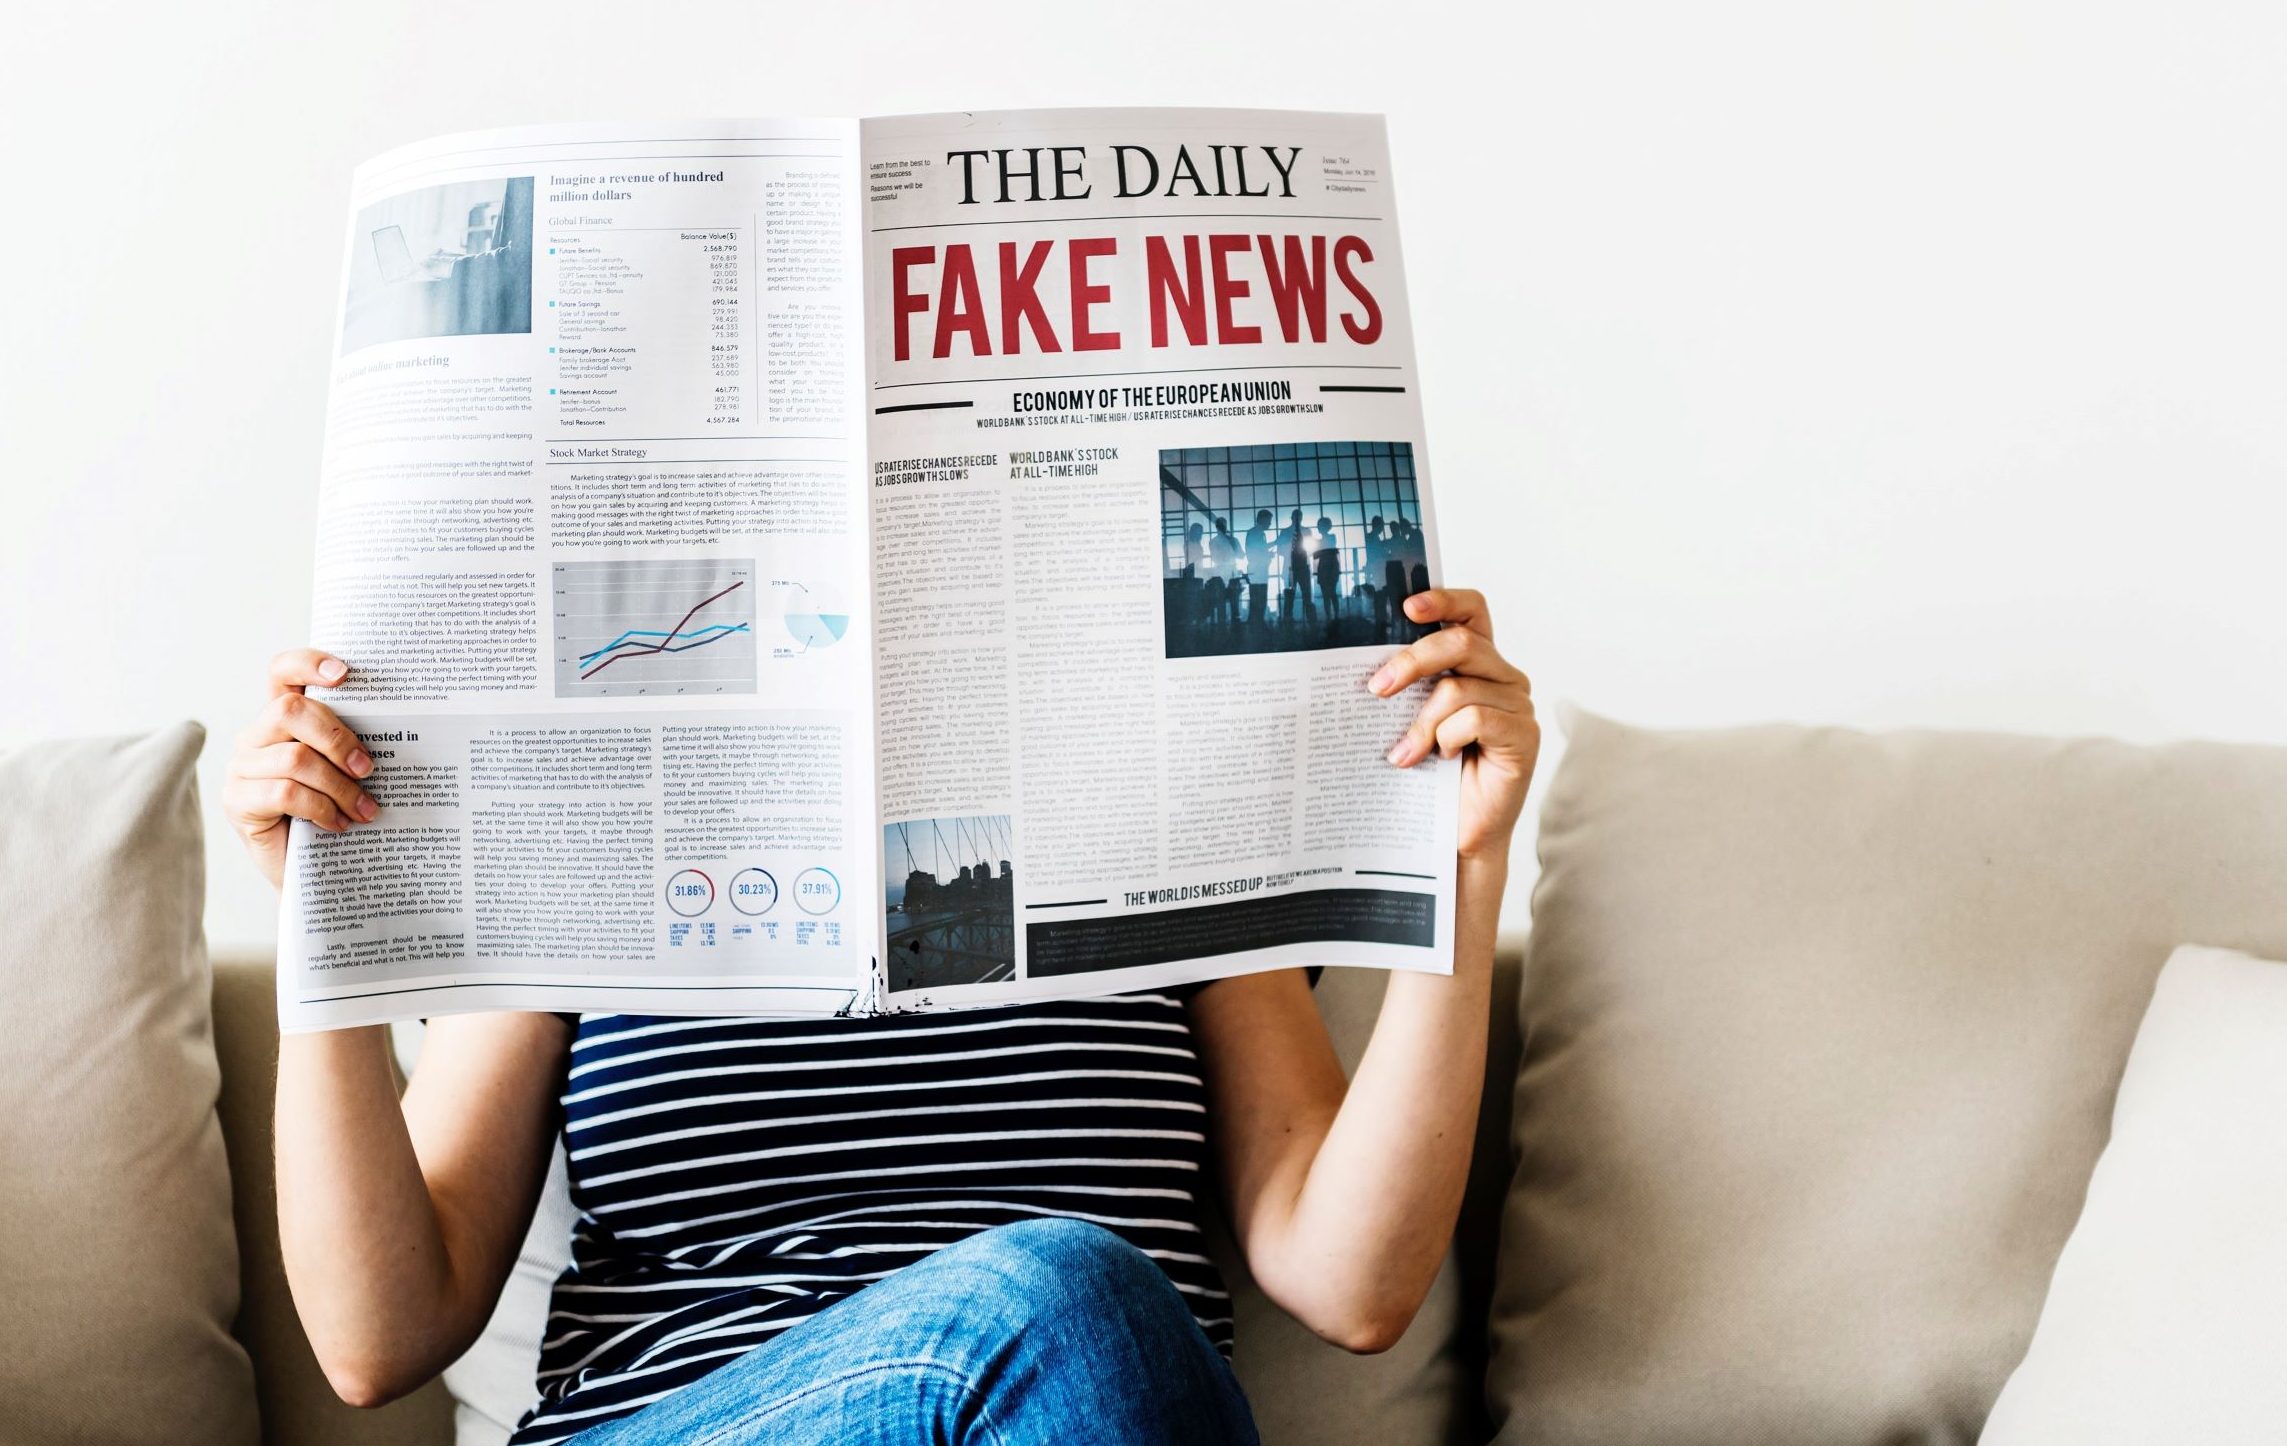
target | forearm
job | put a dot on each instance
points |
(398, 1219)
(359, 1231)
(1371, 1217)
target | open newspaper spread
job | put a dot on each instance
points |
(814, 567)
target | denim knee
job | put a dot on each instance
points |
(1054, 1266)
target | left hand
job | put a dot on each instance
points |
(1481, 712)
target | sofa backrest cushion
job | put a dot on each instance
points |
(1822, 1034)
(118, 1270)
(2167, 1317)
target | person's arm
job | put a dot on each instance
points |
(1343, 1196)
(399, 1221)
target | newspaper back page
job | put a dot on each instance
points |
(592, 537)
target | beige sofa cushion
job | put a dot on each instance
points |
(2167, 1318)
(1822, 1036)
(118, 1272)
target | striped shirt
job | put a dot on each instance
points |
(736, 1176)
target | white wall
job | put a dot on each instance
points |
(1874, 363)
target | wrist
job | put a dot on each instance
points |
(360, 1046)
(1484, 870)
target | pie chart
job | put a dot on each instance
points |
(812, 620)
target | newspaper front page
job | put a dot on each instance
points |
(1148, 486)
(804, 567)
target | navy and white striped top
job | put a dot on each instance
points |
(737, 1176)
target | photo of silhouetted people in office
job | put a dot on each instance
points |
(1334, 574)
(1259, 568)
(451, 260)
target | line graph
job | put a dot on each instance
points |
(674, 640)
(628, 628)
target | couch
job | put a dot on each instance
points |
(1795, 1093)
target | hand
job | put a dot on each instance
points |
(1480, 713)
(295, 760)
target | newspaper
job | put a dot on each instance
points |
(811, 567)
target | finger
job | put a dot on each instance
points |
(291, 716)
(260, 801)
(1455, 649)
(1474, 724)
(1450, 697)
(299, 668)
(1462, 606)
(304, 764)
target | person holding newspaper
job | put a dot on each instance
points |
(806, 1250)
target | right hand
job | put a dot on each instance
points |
(297, 759)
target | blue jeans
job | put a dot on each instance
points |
(1051, 1331)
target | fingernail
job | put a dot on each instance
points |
(1401, 753)
(366, 807)
(332, 670)
(1380, 682)
(360, 762)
